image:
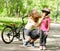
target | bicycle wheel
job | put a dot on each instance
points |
(7, 35)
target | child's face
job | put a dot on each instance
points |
(43, 14)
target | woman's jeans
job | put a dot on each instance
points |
(43, 37)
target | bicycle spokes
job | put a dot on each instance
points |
(7, 35)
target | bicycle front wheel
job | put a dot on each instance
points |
(7, 35)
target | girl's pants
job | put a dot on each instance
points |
(43, 37)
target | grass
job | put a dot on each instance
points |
(9, 20)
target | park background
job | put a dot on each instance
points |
(12, 10)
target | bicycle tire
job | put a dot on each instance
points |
(2, 35)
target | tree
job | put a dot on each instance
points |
(22, 7)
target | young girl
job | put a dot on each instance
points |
(44, 27)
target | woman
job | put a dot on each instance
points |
(33, 18)
(44, 27)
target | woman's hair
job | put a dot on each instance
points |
(31, 12)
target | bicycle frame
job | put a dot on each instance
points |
(19, 29)
(17, 33)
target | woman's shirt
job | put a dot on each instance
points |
(30, 24)
(44, 24)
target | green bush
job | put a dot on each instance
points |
(10, 20)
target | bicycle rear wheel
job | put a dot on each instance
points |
(7, 35)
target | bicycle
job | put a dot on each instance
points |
(11, 31)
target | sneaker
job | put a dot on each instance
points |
(41, 47)
(44, 48)
(32, 45)
(25, 44)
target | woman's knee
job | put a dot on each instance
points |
(33, 40)
(28, 38)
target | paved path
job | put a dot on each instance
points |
(53, 42)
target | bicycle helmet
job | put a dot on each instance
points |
(46, 10)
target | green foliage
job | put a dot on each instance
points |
(10, 20)
(21, 7)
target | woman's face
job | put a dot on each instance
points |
(35, 14)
